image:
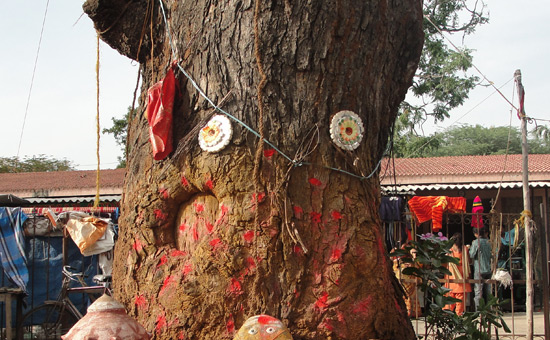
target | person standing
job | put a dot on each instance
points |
(480, 253)
(460, 271)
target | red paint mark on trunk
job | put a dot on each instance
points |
(315, 217)
(298, 249)
(314, 181)
(363, 306)
(340, 316)
(273, 232)
(268, 153)
(209, 184)
(235, 287)
(336, 215)
(182, 227)
(215, 242)
(261, 197)
(249, 236)
(137, 246)
(167, 282)
(209, 227)
(159, 215)
(195, 233)
(230, 324)
(177, 253)
(250, 264)
(184, 181)
(164, 193)
(336, 255)
(161, 322)
(187, 268)
(298, 211)
(318, 277)
(162, 261)
(140, 302)
(181, 335)
(327, 324)
(199, 207)
(321, 302)
(223, 212)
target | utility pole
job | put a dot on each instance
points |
(526, 208)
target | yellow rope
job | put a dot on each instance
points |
(96, 201)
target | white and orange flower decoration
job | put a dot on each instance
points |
(346, 130)
(216, 134)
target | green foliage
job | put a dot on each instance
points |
(441, 83)
(120, 131)
(430, 265)
(468, 140)
(40, 163)
(477, 325)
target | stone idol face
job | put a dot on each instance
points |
(107, 320)
(263, 327)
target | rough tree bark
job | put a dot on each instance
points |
(205, 240)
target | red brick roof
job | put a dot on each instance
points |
(58, 180)
(461, 165)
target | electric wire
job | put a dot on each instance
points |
(217, 108)
(473, 65)
(32, 78)
(459, 118)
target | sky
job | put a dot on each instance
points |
(58, 118)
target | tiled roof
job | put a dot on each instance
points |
(59, 180)
(461, 165)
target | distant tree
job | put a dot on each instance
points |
(540, 142)
(119, 130)
(40, 163)
(465, 140)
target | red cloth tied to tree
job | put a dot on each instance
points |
(427, 208)
(160, 102)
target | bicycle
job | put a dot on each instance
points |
(54, 318)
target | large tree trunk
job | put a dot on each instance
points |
(210, 239)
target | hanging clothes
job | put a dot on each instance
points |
(391, 209)
(427, 208)
(477, 210)
(12, 246)
(160, 102)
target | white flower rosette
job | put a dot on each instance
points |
(216, 134)
(346, 130)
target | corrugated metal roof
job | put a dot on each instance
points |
(73, 199)
(411, 188)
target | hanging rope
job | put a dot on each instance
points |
(238, 121)
(96, 201)
(261, 85)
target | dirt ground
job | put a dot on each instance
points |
(516, 322)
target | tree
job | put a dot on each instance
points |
(441, 82)
(468, 140)
(40, 163)
(209, 239)
(119, 131)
